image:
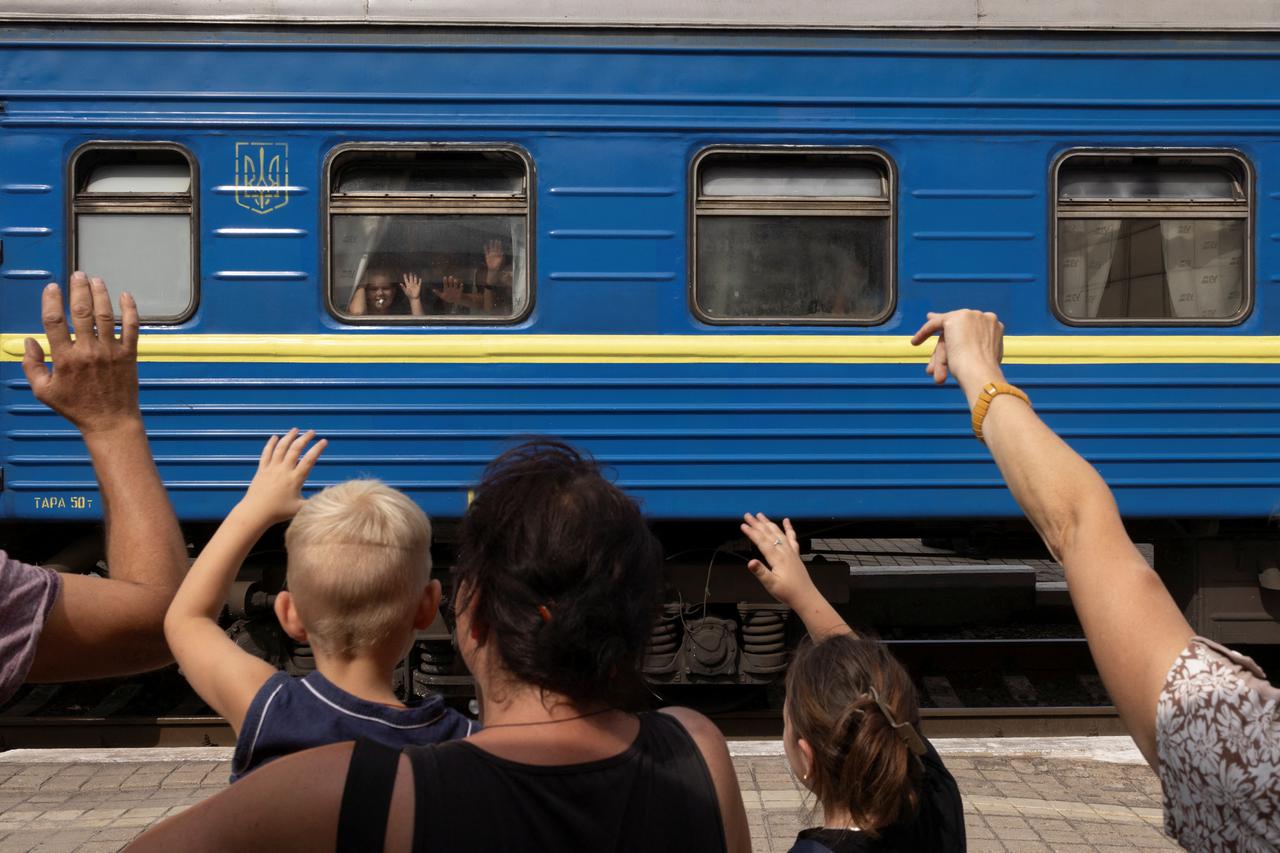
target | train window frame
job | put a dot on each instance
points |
(425, 203)
(1138, 209)
(135, 203)
(798, 206)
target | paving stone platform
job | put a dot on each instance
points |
(1076, 795)
(1020, 794)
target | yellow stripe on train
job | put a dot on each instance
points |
(430, 347)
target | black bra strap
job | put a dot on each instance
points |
(366, 799)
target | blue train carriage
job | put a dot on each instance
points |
(692, 238)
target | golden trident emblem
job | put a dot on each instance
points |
(262, 175)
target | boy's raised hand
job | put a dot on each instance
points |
(784, 576)
(275, 494)
(225, 675)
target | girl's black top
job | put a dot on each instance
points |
(656, 795)
(937, 826)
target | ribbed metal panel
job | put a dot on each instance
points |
(807, 441)
(611, 126)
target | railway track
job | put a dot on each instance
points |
(1072, 721)
(1019, 678)
(99, 732)
(969, 687)
(987, 687)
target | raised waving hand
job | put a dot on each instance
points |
(225, 675)
(106, 627)
(1134, 628)
(784, 575)
(96, 383)
(275, 493)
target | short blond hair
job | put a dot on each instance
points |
(359, 559)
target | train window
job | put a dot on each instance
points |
(133, 212)
(428, 234)
(1152, 238)
(795, 236)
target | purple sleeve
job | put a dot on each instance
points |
(27, 594)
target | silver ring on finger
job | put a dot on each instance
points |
(777, 542)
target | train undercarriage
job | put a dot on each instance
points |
(718, 628)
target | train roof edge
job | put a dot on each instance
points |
(980, 15)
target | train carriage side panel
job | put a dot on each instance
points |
(701, 421)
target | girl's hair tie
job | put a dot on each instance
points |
(904, 730)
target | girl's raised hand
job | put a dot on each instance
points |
(784, 576)
(275, 494)
(411, 285)
(782, 572)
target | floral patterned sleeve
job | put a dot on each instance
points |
(1218, 739)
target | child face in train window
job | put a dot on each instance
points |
(380, 293)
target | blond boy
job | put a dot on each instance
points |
(359, 584)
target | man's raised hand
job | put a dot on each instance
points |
(94, 381)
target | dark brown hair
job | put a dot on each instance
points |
(860, 764)
(564, 572)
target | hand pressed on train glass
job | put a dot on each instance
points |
(451, 291)
(494, 255)
(412, 286)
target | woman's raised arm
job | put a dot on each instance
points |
(1134, 628)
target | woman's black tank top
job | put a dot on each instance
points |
(656, 795)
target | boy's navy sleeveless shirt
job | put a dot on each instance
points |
(292, 714)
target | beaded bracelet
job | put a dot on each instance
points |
(990, 391)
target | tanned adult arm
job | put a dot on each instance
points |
(288, 806)
(1134, 628)
(715, 752)
(101, 627)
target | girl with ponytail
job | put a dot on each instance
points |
(851, 725)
